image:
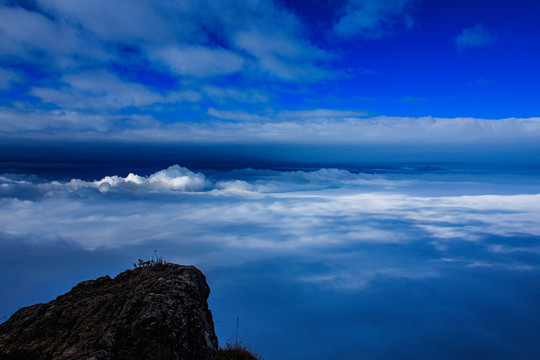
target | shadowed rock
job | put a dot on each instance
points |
(154, 312)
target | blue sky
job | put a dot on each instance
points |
(264, 72)
(353, 176)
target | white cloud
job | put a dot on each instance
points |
(235, 115)
(223, 94)
(278, 211)
(90, 54)
(321, 113)
(104, 91)
(200, 61)
(505, 249)
(373, 18)
(358, 278)
(308, 127)
(121, 20)
(54, 121)
(282, 56)
(312, 233)
(360, 130)
(9, 77)
(475, 36)
(174, 178)
(25, 32)
(179, 34)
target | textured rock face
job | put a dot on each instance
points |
(155, 312)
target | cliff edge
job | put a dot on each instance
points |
(152, 312)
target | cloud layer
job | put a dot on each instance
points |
(324, 208)
(310, 127)
(365, 255)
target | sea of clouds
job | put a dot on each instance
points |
(365, 261)
(288, 209)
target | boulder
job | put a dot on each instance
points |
(151, 312)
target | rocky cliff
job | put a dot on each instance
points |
(154, 312)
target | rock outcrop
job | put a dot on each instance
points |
(154, 312)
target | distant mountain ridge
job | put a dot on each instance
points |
(150, 312)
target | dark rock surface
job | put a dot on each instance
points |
(154, 312)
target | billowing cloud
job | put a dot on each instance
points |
(174, 178)
(476, 36)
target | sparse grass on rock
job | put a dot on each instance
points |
(237, 352)
(155, 260)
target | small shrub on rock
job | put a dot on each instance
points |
(156, 260)
(237, 352)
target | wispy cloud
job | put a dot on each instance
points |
(476, 36)
(102, 90)
(235, 115)
(283, 57)
(322, 114)
(9, 77)
(373, 19)
(200, 61)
